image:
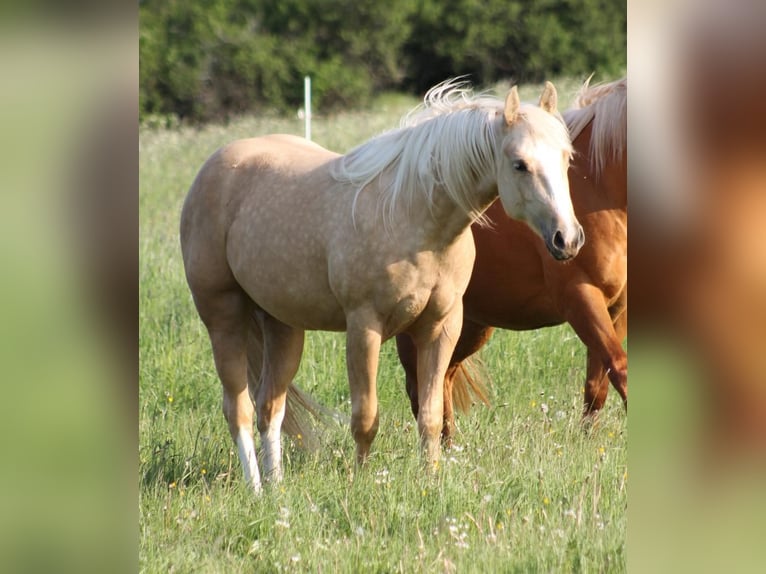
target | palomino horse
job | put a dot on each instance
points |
(280, 235)
(515, 285)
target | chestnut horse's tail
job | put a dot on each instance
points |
(468, 384)
(305, 419)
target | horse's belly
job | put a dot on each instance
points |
(298, 303)
(508, 289)
(289, 282)
(507, 312)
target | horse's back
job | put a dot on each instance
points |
(277, 147)
(257, 218)
(271, 153)
(244, 168)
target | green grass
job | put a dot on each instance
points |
(526, 489)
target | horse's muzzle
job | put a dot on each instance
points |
(563, 248)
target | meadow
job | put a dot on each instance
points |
(525, 488)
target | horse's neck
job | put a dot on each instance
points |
(609, 186)
(444, 221)
(616, 177)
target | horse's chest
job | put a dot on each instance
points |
(398, 282)
(401, 292)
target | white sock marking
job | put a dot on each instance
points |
(272, 448)
(246, 450)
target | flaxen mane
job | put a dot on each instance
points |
(445, 143)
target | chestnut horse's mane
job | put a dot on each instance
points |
(606, 105)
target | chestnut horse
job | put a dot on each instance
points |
(515, 285)
(280, 235)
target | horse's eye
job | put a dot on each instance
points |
(520, 165)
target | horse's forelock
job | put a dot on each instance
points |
(542, 124)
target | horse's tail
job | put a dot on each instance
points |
(469, 384)
(305, 419)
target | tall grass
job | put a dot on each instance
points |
(526, 488)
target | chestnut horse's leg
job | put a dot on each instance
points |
(596, 384)
(282, 350)
(226, 316)
(586, 311)
(619, 379)
(473, 337)
(448, 414)
(363, 340)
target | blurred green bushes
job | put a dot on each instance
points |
(208, 59)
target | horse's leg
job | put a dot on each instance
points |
(473, 337)
(599, 376)
(596, 384)
(226, 316)
(408, 357)
(363, 340)
(619, 382)
(435, 347)
(282, 350)
(448, 411)
(587, 313)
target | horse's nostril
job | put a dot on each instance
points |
(558, 240)
(581, 236)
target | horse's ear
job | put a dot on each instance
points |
(512, 104)
(549, 99)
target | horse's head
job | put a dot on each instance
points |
(534, 155)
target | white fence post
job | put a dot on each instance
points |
(307, 105)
